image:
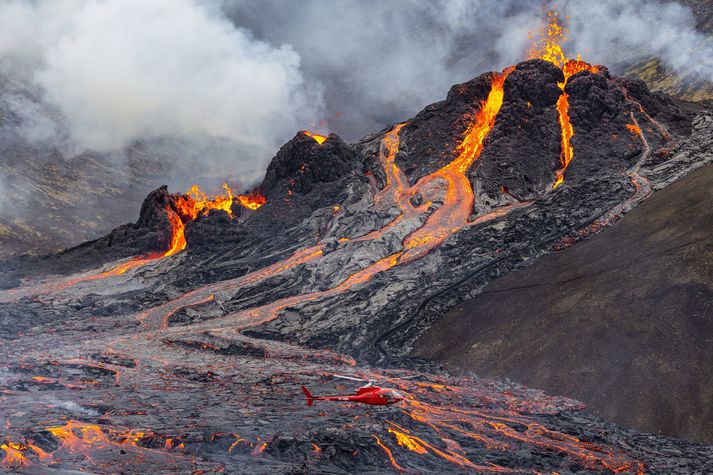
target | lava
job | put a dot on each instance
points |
(252, 200)
(394, 177)
(388, 453)
(634, 129)
(483, 426)
(450, 182)
(195, 202)
(567, 133)
(547, 44)
(320, 139)
(178, 237)
(80, 437)
(446, 208)
(14, 458)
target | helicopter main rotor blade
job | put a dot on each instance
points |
(349, 377)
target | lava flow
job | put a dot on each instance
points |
(449, 185)
(548, 47)
(189, 365)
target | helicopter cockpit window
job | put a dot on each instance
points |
(393, 394)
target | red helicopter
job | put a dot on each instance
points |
(367, 394)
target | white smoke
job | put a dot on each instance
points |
(382, 61)
(234, 79)
(73, 407)
(619, 32)
(123, 70)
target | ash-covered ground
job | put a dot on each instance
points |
(192, 360)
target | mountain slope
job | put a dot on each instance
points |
(623, 321)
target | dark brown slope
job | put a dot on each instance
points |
(623, 321)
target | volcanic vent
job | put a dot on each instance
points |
(343, 251)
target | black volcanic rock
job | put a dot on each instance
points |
(302, 164)
(304, 180)
(600, 113)
(151, 233)
(657, 104)
(305, 176)
(215, 228)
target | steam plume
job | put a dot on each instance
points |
(123, 70)
(381, 61)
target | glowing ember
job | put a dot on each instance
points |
(320, 139)
(252, 200)
(634, 129)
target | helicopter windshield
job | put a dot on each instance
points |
(393, 394)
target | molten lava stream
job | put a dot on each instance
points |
(569, 68)
(159, 316)
(395, 190)
(14, 458)
(451, 217)
(567, 134)
(388, 453)
(662, 130)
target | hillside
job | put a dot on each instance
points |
(622, 321)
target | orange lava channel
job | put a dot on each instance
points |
(13, 456)
(388, 453)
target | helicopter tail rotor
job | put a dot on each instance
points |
(310, 398)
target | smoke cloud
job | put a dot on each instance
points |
(620, 32)
(124, 70)
(381, 62)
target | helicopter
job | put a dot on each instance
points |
(367, 394)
